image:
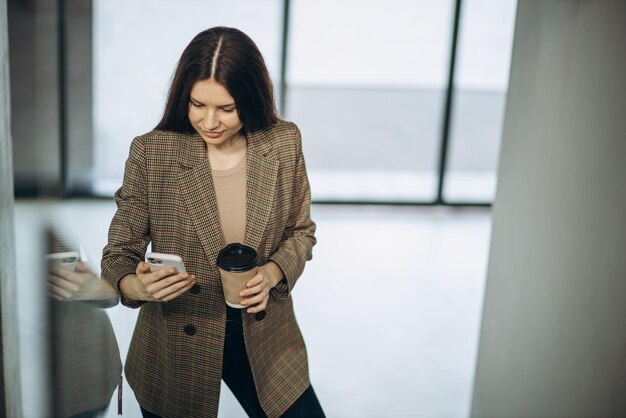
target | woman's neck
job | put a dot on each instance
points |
(227, 155)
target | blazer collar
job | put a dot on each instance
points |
(261, 178)
(259, 142)
(192, 149)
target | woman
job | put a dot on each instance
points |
(85, 364)
(220, 167)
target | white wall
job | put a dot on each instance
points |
(553, 338)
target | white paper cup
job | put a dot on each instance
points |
(237, 264)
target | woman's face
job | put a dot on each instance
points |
(213, 113)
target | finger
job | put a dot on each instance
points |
(254, 299)
(59, 292)
(59, 271)
(161, 294)
(53, 292)
(62, 283)
(258, 308)
(142, 268)
(252, 291)
(178, 293)
(160, 284)
(255, 280)
(82, 268)
(160, 274)
(70, 276)
(53, 295)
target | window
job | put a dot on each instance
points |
(135, 55)
(366, 83)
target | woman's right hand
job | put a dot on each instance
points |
(158, 286)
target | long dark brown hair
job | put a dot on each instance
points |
(232, 59)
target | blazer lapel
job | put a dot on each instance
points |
(262, 174)
(196, 188)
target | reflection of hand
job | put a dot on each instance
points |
(80, 284)
(158, 286)
(258, 288)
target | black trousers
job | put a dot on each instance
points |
(237, 375)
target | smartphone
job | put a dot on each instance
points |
(66, 260)
(158, 261)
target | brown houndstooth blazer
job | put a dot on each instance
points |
(167, 198)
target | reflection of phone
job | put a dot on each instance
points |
(158, 261)
(66, 260)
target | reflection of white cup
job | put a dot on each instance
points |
(237, 264)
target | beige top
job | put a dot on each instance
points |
(230, 192)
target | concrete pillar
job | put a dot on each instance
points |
(553, 337)
(10, 404)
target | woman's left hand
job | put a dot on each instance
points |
(258, 288)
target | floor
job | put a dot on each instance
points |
(389, 306)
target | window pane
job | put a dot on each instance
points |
(136, 47)
(367, 92)
(484, 55)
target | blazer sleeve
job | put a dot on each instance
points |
(298, 239)
(129, 233)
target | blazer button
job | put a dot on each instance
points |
(260, 315)
(190, 329)
(195, 289)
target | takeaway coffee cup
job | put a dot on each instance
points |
(237, 264)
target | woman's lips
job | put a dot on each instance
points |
(213, 134)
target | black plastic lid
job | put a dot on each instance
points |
(237, 257)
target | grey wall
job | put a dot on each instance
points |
(9, 353)
(33, 37)
(553, 337)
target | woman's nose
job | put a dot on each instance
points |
(210, 120)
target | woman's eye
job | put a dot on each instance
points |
(228, 109)
(195, 104)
